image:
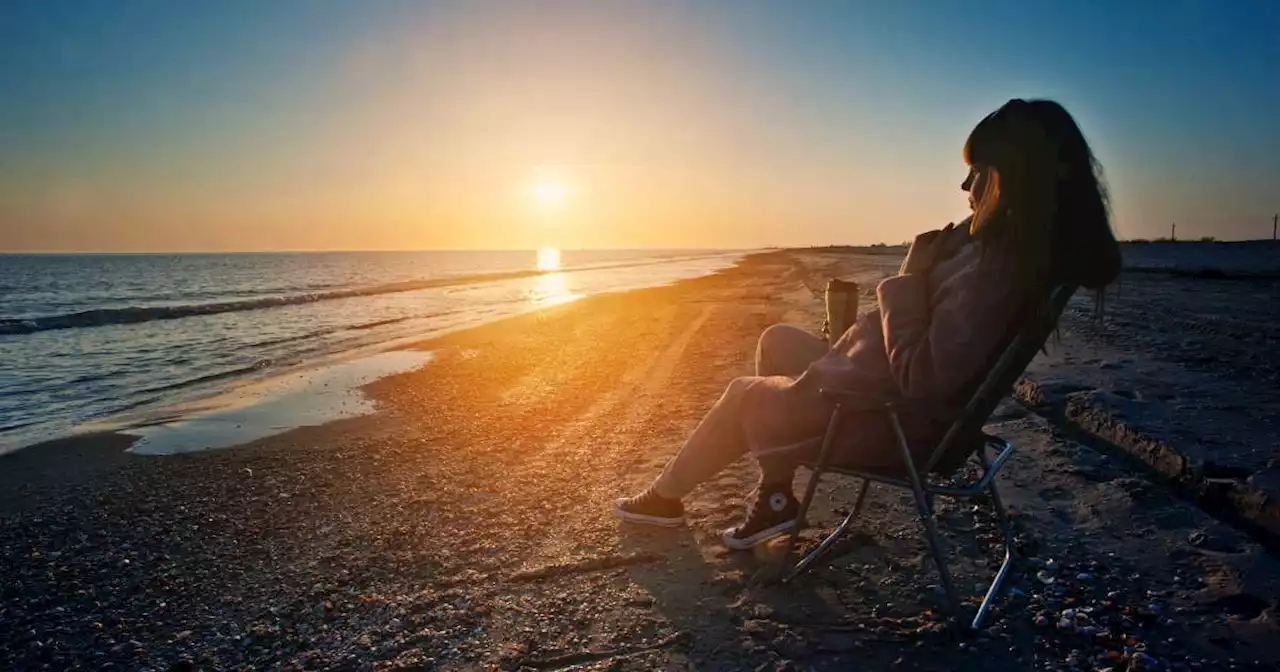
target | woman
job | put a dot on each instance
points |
(1039, 219)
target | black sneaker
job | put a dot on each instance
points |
(650, 508)
(772, 515)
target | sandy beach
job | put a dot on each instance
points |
(466, 524)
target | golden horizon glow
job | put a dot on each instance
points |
(485, 126)
(549, 259)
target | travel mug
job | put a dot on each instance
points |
(842, 307)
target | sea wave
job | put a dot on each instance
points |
(134, 314)
(209, 377)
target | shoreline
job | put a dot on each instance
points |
(184, 360)
(467, 525)
(238, 392)
(1245, 499)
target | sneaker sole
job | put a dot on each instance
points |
(747, 543)
(658, 521)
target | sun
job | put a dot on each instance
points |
(550, 193)
(548, 259)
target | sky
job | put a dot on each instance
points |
(141, 125)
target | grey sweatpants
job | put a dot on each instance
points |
(719, 440)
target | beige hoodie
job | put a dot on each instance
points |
(929, 339)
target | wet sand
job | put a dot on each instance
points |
(466, 526)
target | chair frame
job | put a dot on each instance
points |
(1018, 353)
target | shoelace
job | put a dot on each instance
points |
(647, 499)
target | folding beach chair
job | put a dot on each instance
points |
(959, 443)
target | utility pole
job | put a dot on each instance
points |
(1173, 232)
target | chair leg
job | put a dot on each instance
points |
(926, 518)
(935, 548)
(824, 455)
(1007, 564)
(831, 539)
(1005, 525)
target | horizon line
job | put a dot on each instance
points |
(375, 251)
(1207, 239)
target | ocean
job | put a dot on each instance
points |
(84, 338)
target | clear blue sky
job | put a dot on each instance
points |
(147, 125)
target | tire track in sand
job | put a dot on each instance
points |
(582, 532)
(636, 390)
(570, 480)
(550, 449)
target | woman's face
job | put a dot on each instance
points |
(976, 184)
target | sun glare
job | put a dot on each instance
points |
(548, 259)
(550, 193)
(552, 289)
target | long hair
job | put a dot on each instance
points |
(1045, 203)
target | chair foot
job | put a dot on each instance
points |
(992, 592)
(812, 556)
(1009, 553)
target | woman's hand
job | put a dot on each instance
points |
(925, 250)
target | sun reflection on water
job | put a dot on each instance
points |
(552, 289)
